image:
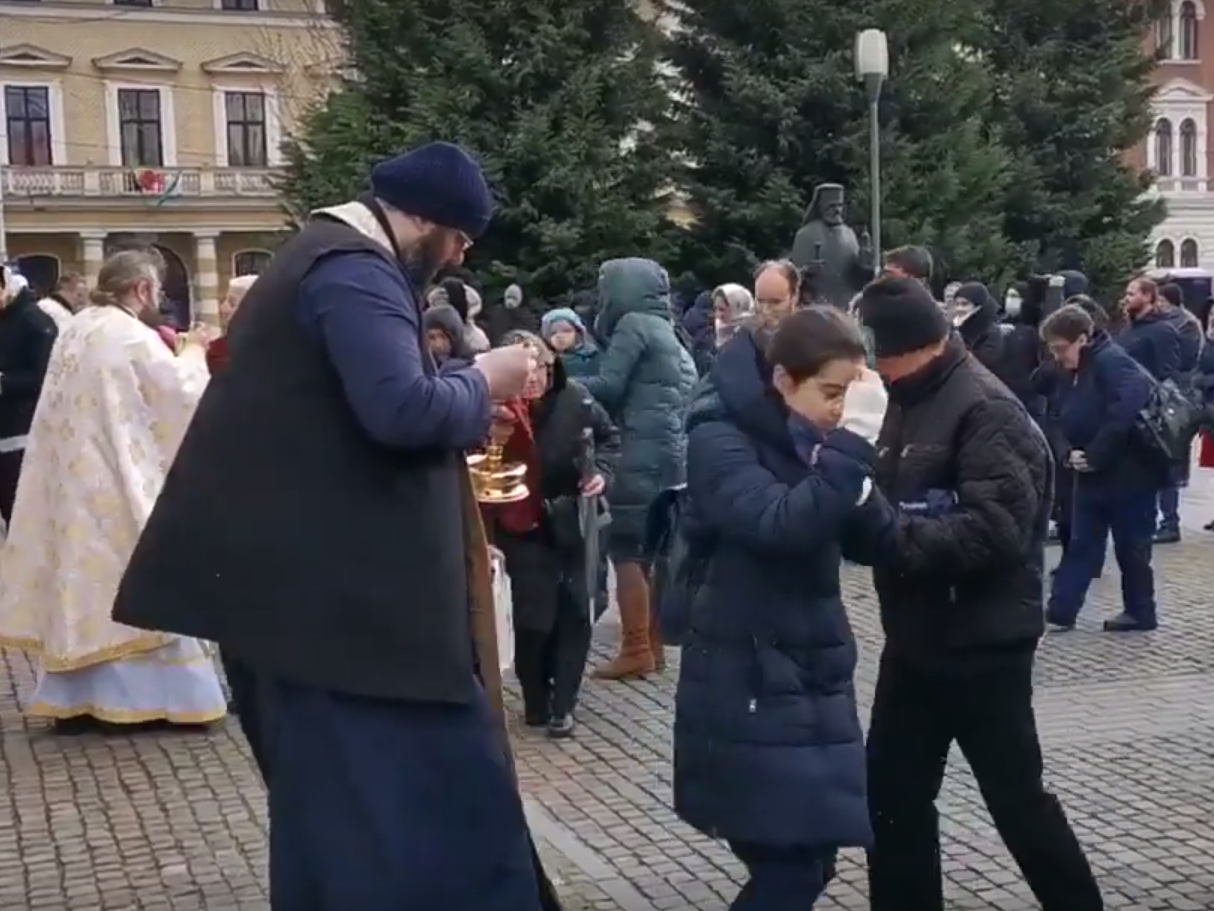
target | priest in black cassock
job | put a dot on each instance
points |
(319, 525)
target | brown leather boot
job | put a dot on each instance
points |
(655, 641)
(636, 657)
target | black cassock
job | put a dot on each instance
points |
(374, 800)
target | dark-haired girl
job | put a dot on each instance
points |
(769, 753)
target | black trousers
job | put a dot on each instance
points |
(10, 474)
(550, 665)
(782, 878)
(552, 630)
(988, 711)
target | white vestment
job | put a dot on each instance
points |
(114, 407)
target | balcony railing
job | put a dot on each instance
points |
(1181, 184)
(146, 183)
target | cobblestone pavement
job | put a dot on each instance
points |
(177, 822)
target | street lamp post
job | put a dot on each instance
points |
(872, 66)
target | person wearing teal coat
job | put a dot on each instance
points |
(644, 380)
(566, 334)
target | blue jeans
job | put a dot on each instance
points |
(782, 878)
(1169, 509)
(1130, 516)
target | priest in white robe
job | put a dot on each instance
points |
(114, 407)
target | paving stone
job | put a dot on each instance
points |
(174, 822)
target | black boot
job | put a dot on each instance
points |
(1127, 623)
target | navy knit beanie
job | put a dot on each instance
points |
(901, 315)
(439, 182)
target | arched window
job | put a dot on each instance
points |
(1165, 255)
(1188, 148)
(1163, 35)
(1163, 147)
(1188, 30)
(41, 270)
(250, 262)
(1188, 254)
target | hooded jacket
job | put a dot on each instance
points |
(768, 745)
(644, 381)
(446, 319)
(583, 359)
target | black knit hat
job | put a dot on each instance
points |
(901, 315)
(977, 294)
(439, 182)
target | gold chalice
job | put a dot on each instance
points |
(495, 480)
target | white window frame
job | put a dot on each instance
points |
(273, 122)
(1174, 18)
(1180, 247)
(1159, 241)
(1178, 101)
(54, 95)
(1153, 145)
(262, 7)
(168, 120)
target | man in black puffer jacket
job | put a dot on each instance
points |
(961, 605)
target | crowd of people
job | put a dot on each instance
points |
(292, 487)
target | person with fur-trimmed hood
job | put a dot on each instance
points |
(467, 303)
(447, 338)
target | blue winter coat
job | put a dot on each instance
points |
(767, 743)
(644, 382)
(1192, 340)
(1098, 415)
(1153, 341)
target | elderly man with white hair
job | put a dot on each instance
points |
(217, 351)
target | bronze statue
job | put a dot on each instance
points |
(836, 264)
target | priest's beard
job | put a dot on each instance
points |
(151, 316)
(426, 258)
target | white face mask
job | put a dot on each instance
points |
(1011, 304)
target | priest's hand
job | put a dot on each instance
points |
(200, 335)
(506, 370)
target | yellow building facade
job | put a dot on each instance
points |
(153, 122)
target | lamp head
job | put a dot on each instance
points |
(872, 55)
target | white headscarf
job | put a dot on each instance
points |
(739, 306)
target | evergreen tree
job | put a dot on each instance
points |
(772, 107)
(560, 100)
(1073, 94)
